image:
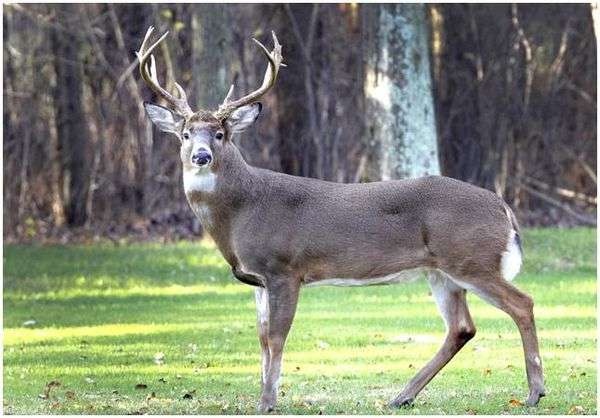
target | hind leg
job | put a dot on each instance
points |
(519, 306)
(452, 304)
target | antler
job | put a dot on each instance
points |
(275, 61)
(148, 72)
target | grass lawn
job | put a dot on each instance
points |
(151, 328)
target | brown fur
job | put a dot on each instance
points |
(279, 231)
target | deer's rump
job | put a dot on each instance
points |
(321, 230)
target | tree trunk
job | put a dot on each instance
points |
(70, 116)
(400, 113)
(210, 41)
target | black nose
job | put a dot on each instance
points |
(202, 157)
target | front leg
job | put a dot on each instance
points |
(282, 295)
(262, 325)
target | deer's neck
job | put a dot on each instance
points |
(217, 196)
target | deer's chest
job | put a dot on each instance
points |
(196, 185)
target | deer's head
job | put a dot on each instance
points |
(204, 135)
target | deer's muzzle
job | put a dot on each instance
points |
(202, 157)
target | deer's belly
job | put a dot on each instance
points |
(398, 277)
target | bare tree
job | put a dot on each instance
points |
(71, 123)
(398, 91)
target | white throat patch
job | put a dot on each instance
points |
(201, 180)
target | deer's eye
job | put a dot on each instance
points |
(186, 135)
(219, 135)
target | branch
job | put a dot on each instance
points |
(305, 47)
(559, 190)
(581, 217)
(589, 170)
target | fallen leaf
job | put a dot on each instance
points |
(515, 402)
(55, 405)
(141, 386)
(70, 394)
(322, 344)
(189, 395)
(159, 358)
(48, 388)
(576, 410)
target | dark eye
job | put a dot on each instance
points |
(219, 135)
(186, 135)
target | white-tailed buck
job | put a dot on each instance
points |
(280, 232)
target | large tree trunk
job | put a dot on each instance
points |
(71, 124)
(210, 61)
(400, 112)
(295, 147)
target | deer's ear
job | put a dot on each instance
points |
(165, 119)
(243, 117)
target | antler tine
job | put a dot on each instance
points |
(150, 76)
(275, 61)
(229, 95)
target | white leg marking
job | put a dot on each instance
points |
(262, 313)
(441, 288)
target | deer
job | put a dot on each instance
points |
(281, 233)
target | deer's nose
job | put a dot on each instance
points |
(202, 157)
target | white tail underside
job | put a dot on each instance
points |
(511, 258)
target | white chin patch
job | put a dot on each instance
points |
(200, 179)
(511, 258)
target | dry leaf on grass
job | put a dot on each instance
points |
(159, 358)
(48, 388)
(576, 410)
(189, 395)
(141, 386)
(515, 403)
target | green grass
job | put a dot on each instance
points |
(102, 314)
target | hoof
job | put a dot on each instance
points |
(265, 407)
(402, 402)
(534, 397)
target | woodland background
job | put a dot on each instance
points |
(512, 89)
